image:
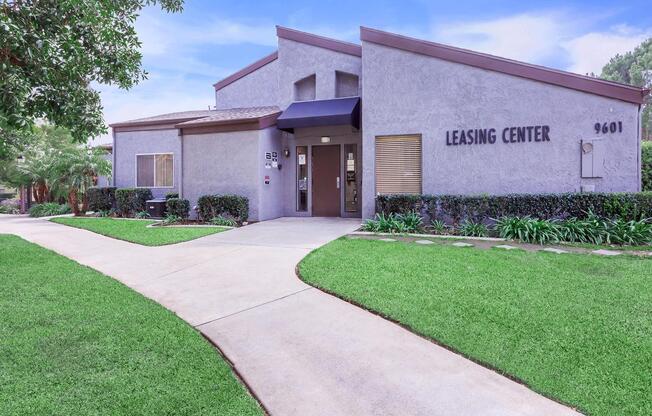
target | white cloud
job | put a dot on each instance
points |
(590, 52)
(525, 37)
(541, 38)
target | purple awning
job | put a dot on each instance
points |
(338, 111)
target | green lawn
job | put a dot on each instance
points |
(137, 231)
(575, 327)
(75, 342)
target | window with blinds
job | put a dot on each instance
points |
(398, 164)
(155, 170)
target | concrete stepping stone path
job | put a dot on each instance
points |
(506, 247)
(555, 250)
(460, 244)
(387, 239)
(602, 252)
(425, 242)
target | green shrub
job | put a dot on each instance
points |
(411, 222)
(101, 198)
(48, 209)
(172, 219)
(141, 215)
(234, 206)
(10, 206)
(483, 208)
(394, 223)
(439, 227)
(223, 221)
(132, 200)
(178, 207)
(171, 195)
(528, 229)
(646, 166)
(473, 229)
(629, 232)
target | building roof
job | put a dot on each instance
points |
(246, 70)
(206, 121)
(507, 66)
(319, 41)
(232, 116)
(168, 118)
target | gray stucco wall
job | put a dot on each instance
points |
(299, 60)
(339, 135)
(259, 88)
(407, 93)
(221, 163)
(271, 202)
(127, 145)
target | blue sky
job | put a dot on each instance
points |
(186, 53)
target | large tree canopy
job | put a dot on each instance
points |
(51, 51)
(635, 68)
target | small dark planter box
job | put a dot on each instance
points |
(156, 208)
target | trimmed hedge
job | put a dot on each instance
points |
(178, 207)
(129, 201)
(101, 198)
(458, 208)
(171, 195)
(234, 206)
(646, 166)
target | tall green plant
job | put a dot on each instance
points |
(75, 172)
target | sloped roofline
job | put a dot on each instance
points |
(319, 41)
(565, 79)
(246, 71)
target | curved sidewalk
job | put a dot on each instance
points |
(303, 352)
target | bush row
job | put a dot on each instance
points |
(455, 209)
(49, 208)
(177, 207)
(592, 229)
(130, 201)
(213, 206)
(646, 166)
(101, 199)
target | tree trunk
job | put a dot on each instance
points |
(84, 204)
(73, 201)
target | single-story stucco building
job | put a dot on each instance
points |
(321, 126)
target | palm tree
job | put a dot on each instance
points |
(75, 173)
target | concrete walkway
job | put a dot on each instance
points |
(303, 352)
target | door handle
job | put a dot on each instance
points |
(338, 182)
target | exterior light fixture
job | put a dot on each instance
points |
(325, 139)
(286, 152)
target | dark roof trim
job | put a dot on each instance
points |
(246, 71)
(319, 41)
(218, 126)
(507, 66)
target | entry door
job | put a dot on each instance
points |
(326, 181)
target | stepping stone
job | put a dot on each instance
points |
(386, 239)
(506, 247)
(424, 242)
(554, 250)
(460, 244)
(602, 252)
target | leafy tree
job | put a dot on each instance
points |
(50, 53)
(56, 167)
(75, 173)
(635, 68)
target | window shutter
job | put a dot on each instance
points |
(398, 165)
